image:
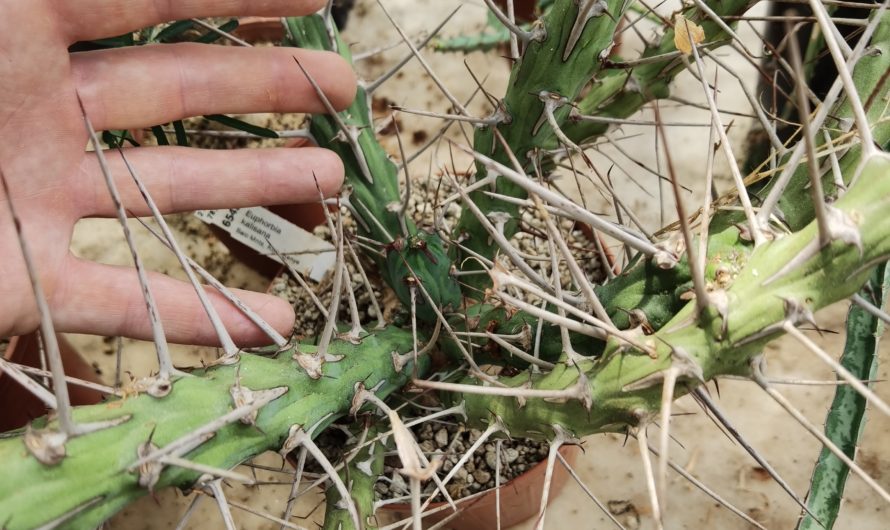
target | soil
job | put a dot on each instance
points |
(445, 439)
(610, 467)
(450, 440)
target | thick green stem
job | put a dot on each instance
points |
(559, 66)
(625, 384)
(620, 93)
(360, 475)
(846, 417)
(95, 474)
(406, 251)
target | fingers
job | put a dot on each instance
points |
(181, 179)
(94, 19)
(142, 86)
(107, 300)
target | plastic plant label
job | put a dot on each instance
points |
(263, 231)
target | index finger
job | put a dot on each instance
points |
(95, 19)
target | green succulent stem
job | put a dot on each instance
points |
(791, 272)
(360, 475)
(95, 476)
(558, 66)
(406, 251)
(620, 92)
(846, 417)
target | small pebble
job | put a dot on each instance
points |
(481, 476)
(441, 438)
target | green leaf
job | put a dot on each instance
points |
(846, 417)
(173, 30)
(181, 138)
(212, 36)
(116, 42)
(240, 125)
(117, 138)
(160, 135)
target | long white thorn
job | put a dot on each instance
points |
(356, 331)
(568, 350)
(514, 350)
(375, 84)
(756, 231)
(565, 204)
(327, 332)
(803, 107)
(224, 338)
(643, 443)
(266, 516)
(183, 521)
(555, 444)
(772, 199)
(871, 308)
(553, 318)
(709, 492)
(208, 470)
(515, 31)
(32, 386)
(295, 485)
(381, 323)
(224, 34)
(702, 301)
(514, 55)
(45, 374)
(589, 493)
(191, 440)
(165, 363)
(829, 34)
(752, 100)
(350, 134)
(215, 489)
(757, 375)
(47, 330)
(706, 207)
(702, 396)
(299, 279)
(252, 315)
(492, 120)
(664, 440)
(842, 372)
(577, 391)
(457, 105)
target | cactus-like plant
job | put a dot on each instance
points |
(687, 309)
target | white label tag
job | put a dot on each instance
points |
(258, 228)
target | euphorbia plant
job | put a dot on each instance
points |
(695, 303)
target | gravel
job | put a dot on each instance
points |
(426, 198)
(448, 442)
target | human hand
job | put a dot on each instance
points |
(53, 182)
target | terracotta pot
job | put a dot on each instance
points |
(524, 10)
(520, 499)
(19, 405)
(610, 256)
(260, 29)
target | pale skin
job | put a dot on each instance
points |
(54, 182)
